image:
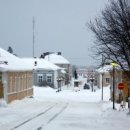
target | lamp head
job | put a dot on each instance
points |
(114, 64)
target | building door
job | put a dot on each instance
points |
(1, 86)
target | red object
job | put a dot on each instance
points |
(121, 86)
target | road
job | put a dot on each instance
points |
(57, 116)
(77, 116)
(67, 110)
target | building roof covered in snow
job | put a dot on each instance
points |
(107, 68)
(56, 59)
(104, 69)
(9, 62)
(39, 63)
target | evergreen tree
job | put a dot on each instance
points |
(75, 74)
(10, 50)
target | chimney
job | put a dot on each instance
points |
(45, 54)
(6, 62)
(35, 63)
(42, 56)
(59, 53)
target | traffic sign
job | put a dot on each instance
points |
(121, 86)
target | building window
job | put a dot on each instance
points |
(107, 80)
(49, 78)
(40, 78)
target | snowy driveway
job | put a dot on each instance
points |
(67, 110)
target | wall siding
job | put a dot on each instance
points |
(19, 85)
(44, 72)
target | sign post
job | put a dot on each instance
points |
(120, 87)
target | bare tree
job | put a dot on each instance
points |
(112, 32)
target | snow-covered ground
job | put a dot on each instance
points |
(64, 110)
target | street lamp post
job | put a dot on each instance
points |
(92, 80)
(129, 100)
(59, 84)
(113, 73)
(102, 86)
(113, 87)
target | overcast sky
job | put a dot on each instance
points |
(59, 26)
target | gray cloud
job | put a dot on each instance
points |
(60, 26)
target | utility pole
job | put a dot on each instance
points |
(33, 36)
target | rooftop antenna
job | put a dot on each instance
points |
(33, 35)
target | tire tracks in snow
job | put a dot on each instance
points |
(44, 118)
(53, 117)
(36, 116)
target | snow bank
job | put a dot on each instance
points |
(3, 103)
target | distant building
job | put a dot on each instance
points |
(59, 60)
(82, 72)
(44, 72)
(86, 72)
(103, 76)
